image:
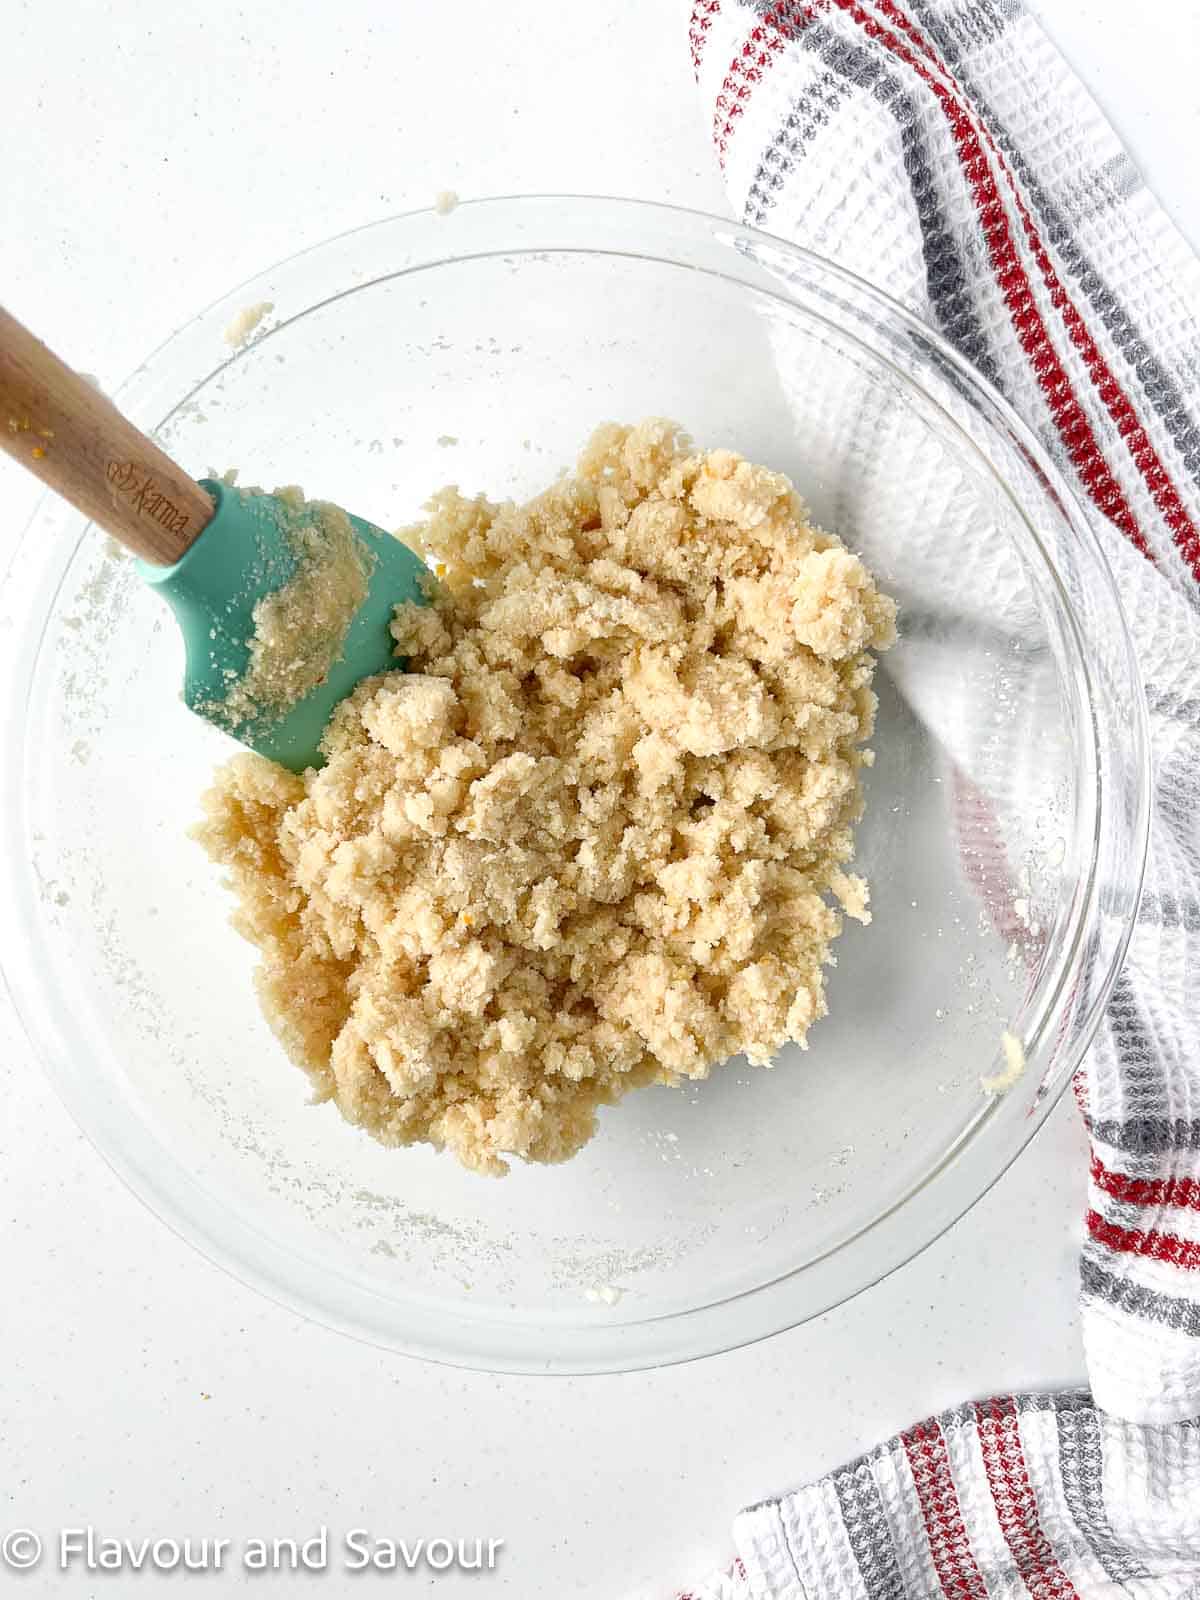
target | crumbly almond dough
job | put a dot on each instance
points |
(998, 1083)
(597, 835)
(300, 628)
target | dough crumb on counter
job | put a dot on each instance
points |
(598, 834)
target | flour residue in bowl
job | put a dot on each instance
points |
(598, 835)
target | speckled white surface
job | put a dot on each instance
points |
(152, 162)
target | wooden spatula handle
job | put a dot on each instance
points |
(55, 423)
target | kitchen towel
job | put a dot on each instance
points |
(1038, 1495)
(945, 151)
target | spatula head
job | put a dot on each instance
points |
(244, 555)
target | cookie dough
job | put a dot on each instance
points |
(597, 835)
(246, 322)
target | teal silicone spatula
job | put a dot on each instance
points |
(211, 551)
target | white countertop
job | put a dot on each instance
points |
(150, 164)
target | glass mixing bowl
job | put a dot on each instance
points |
(1004, 837)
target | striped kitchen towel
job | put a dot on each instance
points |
(945, 151)
(1040, 1495)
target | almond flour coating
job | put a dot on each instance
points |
(597, 835)
(301, 627)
